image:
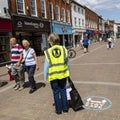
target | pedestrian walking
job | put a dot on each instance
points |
(81, 43)
(56, 70)
(16, 56)
(100, 39)
(86, 43)
(31, 64)
(110, 43)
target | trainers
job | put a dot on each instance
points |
(14, 86)
(21, 88)
(17, 87)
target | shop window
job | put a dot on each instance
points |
(20, 6)
(63, 15)
(33, 7)
(4, 49)
(43, 9)
(57, 13)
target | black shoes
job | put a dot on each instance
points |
(65, 111)
(32, 90)
(58, 113)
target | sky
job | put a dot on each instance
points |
(108, 9)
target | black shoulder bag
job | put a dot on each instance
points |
(23, 63)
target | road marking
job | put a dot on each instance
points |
(97, 83)
(6, 88)
(96, 64)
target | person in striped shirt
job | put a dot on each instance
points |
(16, 56)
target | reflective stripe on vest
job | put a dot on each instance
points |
(58, 68)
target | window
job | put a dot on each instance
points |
(57, 13)
(79, 22)
(78, 9)
(75, 21)
(20, 6)
(43, 9)
(33, 7)
(83, 22)
(67, 1)
(75, 8)
(63, 15)
(82, 11)
(68, 16)
(51, 10)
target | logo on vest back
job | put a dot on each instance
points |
(56, 52)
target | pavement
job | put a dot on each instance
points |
(96, 76)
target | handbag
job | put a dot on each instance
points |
(23, 63)
(75, 102)
(23, 66)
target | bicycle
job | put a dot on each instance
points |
(71, 53)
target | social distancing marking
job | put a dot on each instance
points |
(97, 103)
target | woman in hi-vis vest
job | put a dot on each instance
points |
(56, 70)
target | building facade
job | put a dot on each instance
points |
(30, 21)
(92, 24)
(5, 32)
(60, 19)
(109, 28)
(78, 22)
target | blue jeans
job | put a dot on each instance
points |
(31, 71)
(59, 93)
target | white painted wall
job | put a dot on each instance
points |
(78, 16)
(3, 4)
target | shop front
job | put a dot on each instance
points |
(64, 31)
(5, 34)
(35, 30)
(78, 34)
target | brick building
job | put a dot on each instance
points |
(30, 20)
(92, 22)
(35, 19)
(60, 19)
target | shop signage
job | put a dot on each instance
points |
(97, 103)
(30, 24)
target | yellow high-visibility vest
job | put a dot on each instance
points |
(56, 57)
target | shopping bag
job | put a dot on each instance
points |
(76, 102)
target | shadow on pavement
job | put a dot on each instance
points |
(3, 83)
(38, 85)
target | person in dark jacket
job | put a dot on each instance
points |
(86, 43)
